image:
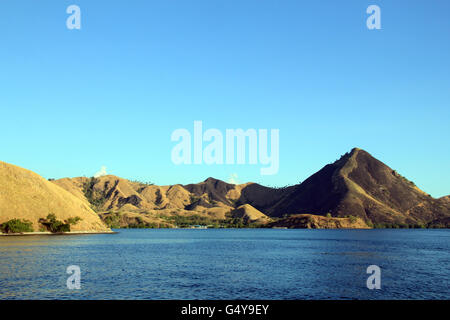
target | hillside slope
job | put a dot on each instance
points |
(355, 185)
(248, 213)
(26, 195)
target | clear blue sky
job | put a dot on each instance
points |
(111, 93)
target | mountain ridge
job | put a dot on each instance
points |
(357, 184)
(357, 190)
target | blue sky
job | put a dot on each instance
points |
(112, 93)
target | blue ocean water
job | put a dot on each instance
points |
(228, 264)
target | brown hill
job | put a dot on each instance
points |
(135, 203)
(111, 193)
(250, 214)
(309, 221)
(212, 190)
(26, 195)
(355, 185)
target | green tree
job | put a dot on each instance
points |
(17, 226)
(54, 225)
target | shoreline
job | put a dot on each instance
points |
(47, 233)
(74, 233)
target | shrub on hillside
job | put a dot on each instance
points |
(74, 221)
(54, 225)
(17, 226)
(112, 220)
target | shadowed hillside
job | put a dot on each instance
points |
(359, 185)
(123, 203)
(355, 185)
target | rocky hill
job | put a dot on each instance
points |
(359, 185)
(355, 185)
(355, 191)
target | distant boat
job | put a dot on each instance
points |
(198, 227)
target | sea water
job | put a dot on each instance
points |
(228, 264)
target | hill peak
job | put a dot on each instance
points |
(353, 157)
(211, 179)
